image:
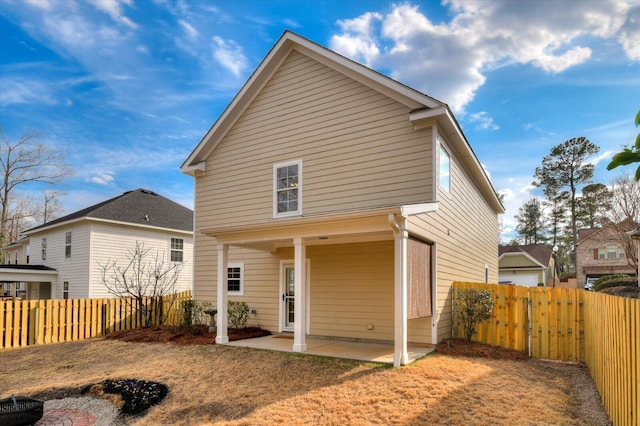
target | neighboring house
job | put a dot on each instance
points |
(67, 254)
(605, 251)
(338, 202)
(528, 265)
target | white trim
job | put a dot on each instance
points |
(221, 288)
(197, 169)
(442, 146)
(434, 295)
(277, 166)
(415, 209)
(300, 297)
(281, 313)
(241, 266)
(34, 232)
(527, 255)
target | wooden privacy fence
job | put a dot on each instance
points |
(574, 325)
(36, 322)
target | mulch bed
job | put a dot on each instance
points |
(459, 347)
(196, 335)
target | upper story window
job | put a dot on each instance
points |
(177, 249)
(8, 258)
(287, 189)
(44, 249)
(67, 244)
(28, 253)
(611, 252)
(235, 279)
(444, 171)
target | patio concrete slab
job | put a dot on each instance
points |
(336, 348)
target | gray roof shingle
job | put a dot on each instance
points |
(140, 206)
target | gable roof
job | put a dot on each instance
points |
(424, 108)
(539, 253)
(140, 207)
(587, 233)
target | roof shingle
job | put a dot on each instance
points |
(140, 206)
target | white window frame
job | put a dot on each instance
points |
(239, 265)
(44, 248)
(8, 258)
(176, 250)
(297, 212)
(68, 238)
(65, 289)
(447, 154)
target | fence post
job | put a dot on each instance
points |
(527, 327)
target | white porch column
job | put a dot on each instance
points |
(223, 277)
(400, 356)
(300, 297)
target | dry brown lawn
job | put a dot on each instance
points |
(229, 385)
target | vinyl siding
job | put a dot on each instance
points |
(75, 269)
(351, 286)
(115, 243)
(509, 261)
(465, 232)
(358, 148)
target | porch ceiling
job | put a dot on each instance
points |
(341, 228)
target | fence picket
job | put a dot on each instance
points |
(35, 322)
(573, 325)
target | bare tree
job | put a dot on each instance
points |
(51, 207)
(23, 161)
(624, 213)
(143, 275)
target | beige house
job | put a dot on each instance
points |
(605, 251)
(338, 202)
(528, 265)
(63, 259)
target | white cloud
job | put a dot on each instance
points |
(40, 4)
(102, 177)
(604, 156)
(113, 8)
(449, 60)
(230, 55)
(188, 28)
(482, 121)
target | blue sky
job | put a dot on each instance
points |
(127, 88)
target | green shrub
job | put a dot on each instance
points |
(619, 280)
(238, 314)
(614, 280)
(473, 306)
(188, 312)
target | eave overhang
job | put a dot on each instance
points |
(348, 226)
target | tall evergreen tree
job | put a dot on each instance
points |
(593, 205)
(564, 170)
(531, 223)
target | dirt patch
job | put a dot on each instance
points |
(196, 335)
(459, 347)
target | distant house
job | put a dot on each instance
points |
(338, 202)
(605, 251)
(527, 265)
(63, 258)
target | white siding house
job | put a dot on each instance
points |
(67, 255)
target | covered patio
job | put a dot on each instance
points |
(336, 348)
